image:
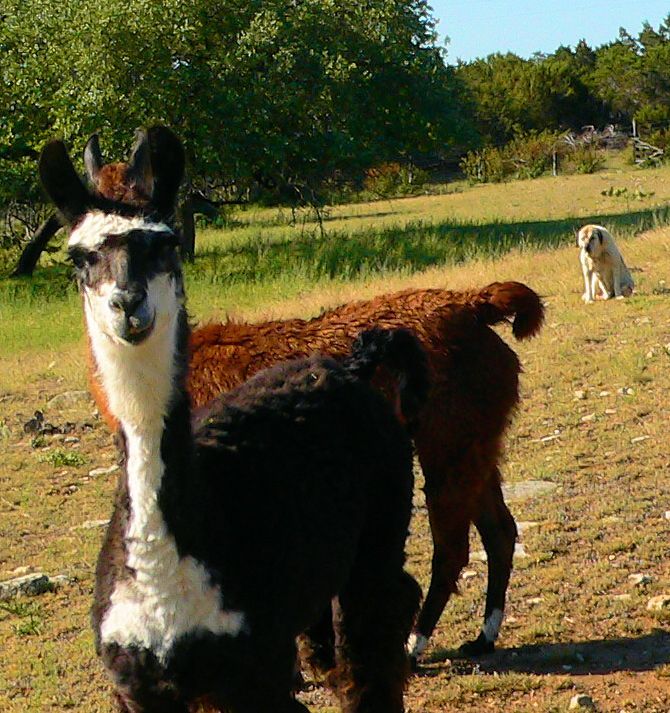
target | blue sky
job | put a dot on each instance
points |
(479, 27)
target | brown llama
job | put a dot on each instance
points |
(460, 431)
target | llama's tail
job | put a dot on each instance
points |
(504, 300)
(400, 352)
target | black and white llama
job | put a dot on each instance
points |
(231, 537)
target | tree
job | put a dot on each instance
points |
(286, 91)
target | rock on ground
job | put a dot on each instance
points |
(31, 584)
(659, 603)
(581, 702)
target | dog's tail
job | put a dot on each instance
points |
(511, 301)
(402, 354)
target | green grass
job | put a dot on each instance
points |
(267, 257)
(26, 616)
(60, 458)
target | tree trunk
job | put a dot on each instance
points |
(31, 253)
(187, 231)
(193, 204)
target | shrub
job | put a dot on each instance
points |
(394, 179)
(531, 154)
(60, 458)
(586, 159)
(526, 156)
(485, 166)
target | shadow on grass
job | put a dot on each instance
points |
(348, 255)
(644, 653)
(412, 247)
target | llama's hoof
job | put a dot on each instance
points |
(479, 647)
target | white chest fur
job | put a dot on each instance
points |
(154, 613)
(169, 596)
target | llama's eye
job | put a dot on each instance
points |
(83, 258)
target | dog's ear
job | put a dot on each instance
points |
(597, 233)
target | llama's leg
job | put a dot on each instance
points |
(261, 685)
(317, 645)
(498, 531)
(453, 489)
(373, 613)
(450, 526)
(122, 706)
(372, 618)
(147, 702)
(140, 682)
(254, 703)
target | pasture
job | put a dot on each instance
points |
(592, 428)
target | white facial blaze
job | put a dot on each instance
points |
(96, 226)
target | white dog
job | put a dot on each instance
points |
(602, 265)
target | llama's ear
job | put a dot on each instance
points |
(140, 171)
(61, 182)
(168, 161)
(93, 160)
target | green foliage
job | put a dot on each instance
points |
(60, 458)
(587, 159)
(624, 80)
(513, 96)
(525, 156)
(487, 165)
(531, 154)
(394, 179)
(290, 92)
(29, 615)
(638, 194)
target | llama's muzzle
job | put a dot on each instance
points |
(133, 316)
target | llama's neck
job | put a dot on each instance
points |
(140, 381)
